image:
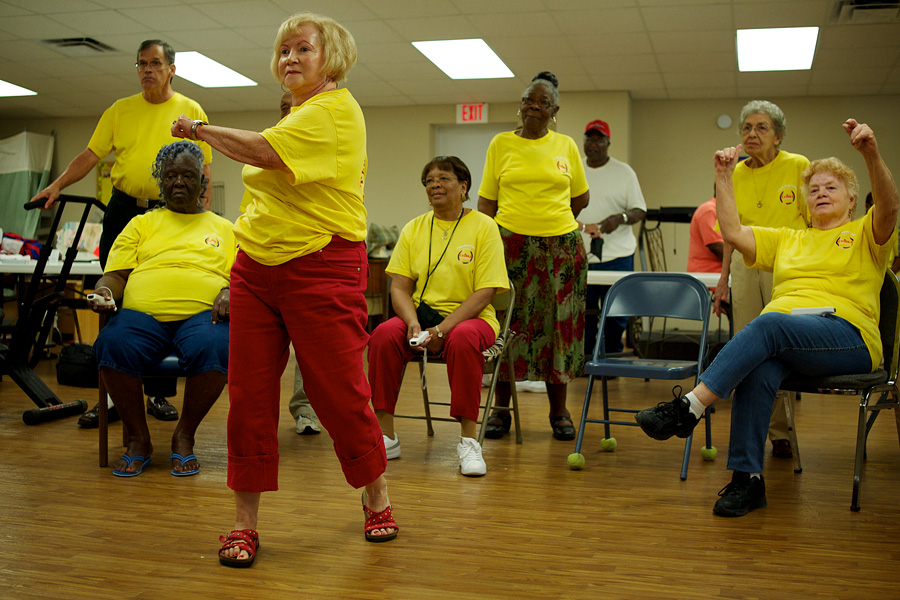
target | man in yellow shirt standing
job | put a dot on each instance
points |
(134, 128)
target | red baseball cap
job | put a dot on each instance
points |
(598, 125)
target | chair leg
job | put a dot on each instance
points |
(489, 403)
(792, 432)
(514, 399)
(687, 456)
(584, 414)
(425, 399)
(860, 450)
(103, 423)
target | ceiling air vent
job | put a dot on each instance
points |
(79, 47)
(861, 12)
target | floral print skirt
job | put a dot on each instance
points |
(550, 275)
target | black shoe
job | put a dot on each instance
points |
(668, 418)
(564, 433)
(91, 419)
(496, 431)
(742, 495)
(161, 409)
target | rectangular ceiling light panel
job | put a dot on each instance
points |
(776, 49)
(208, 73)
(464, 59)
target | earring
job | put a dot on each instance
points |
(519, 113)
(553, 118)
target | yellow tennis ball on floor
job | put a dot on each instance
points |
(608, 444)
(576, 461)
(708, 453)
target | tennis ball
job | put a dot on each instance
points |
(708, 453)
(576, 461)
(608, 444)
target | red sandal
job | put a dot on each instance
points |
(243, 539)
(380, 520)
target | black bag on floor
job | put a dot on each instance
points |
(77, 366)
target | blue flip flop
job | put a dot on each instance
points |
(183, 460)
(130, 459)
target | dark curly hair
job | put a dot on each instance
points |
(169, 153)
(453, 164)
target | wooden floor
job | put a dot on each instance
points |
(624, 527)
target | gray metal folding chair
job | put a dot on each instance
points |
(881, 384)
(667, 295)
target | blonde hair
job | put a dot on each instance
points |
(835, 167)
(338, 44)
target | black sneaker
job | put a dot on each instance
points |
(742, 495)
(668, 418)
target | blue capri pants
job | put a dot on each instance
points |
(132, 340)
(758, 359)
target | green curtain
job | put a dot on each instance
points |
(25, 161)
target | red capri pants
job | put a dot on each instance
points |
(315, 302)
(389, 351)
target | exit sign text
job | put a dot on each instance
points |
(471, 113)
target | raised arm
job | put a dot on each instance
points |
(735, 234)
(884, 189)
(244, 146)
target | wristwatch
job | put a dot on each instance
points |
(438, 331)
(625, 216)
(194, 127)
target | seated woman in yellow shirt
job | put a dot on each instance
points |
(169, 271)
(837, 263)
(445, 269)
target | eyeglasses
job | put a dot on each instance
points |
(542, 104)
(443, 180)
(761, 128)
(153, 64)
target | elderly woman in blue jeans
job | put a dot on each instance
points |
(834, 270)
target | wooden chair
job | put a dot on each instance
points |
(881, 384)
(494, 355)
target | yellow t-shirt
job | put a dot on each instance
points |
(533, 183)
(135, 130)
(180, 262)
(771, 196)
(295, 213)
(473, 261)
(841, 267)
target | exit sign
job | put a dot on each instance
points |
(471, 113)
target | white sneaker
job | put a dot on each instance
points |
(392, 446)
(537, 387)
(308, 424)
(471, 464)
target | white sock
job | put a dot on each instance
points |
(109, 402)
(697, 407)
(755, 475)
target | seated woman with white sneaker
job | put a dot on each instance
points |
(446, 268)
(834, 270)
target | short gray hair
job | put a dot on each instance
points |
(771, 110)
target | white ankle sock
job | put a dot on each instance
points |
(755, 475)
(697, 407)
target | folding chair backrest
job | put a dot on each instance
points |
(674, 295)
(889, 323)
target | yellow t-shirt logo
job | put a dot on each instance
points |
(562, 165)
(845, 240)
(465, 256)
(787, 195)
(213, 240)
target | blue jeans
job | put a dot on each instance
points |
(133, 340)
(759, 357)
(596, 294)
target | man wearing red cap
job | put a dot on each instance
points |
(616, 204)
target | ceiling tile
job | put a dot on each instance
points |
(598, 21)
(717, 16)
(677, 42)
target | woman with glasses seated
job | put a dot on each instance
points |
(445, 269)
(534, 186)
